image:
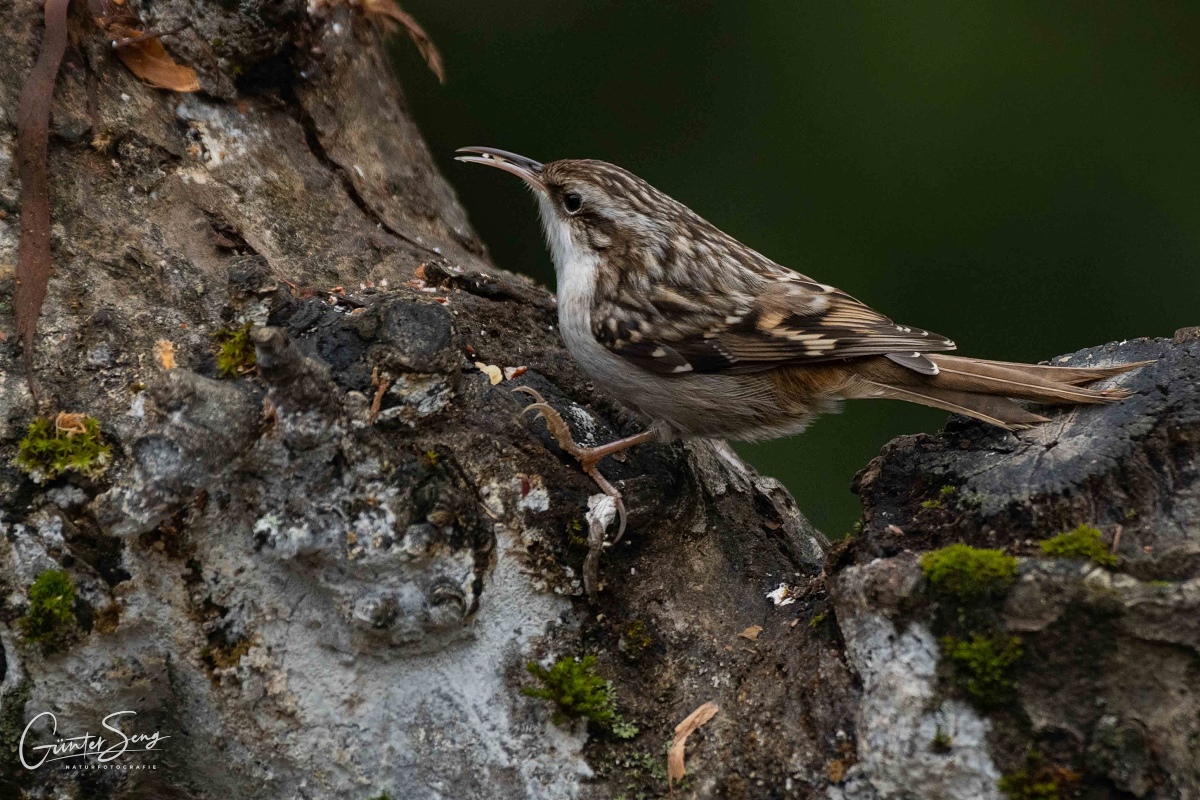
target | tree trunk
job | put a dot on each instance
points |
(325, 577)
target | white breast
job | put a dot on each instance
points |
(687, 405)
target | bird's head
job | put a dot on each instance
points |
(590, 208)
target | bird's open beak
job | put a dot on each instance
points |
(524, 168)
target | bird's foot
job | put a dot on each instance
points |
(588, 457)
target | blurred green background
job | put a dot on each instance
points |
(1021, 177)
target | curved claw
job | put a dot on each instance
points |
(541, 408)
(621, 517)
(529, 390)
(554, 422)
(588, 457)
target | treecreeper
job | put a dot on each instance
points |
(701, 336)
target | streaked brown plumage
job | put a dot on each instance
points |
(703, 336)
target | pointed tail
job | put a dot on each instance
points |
(985, 390)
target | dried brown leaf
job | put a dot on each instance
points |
(391, 13)
(675, 765)
(70, 424)
(751, 633)
(151, 62)
(164, 351)
(33, 136)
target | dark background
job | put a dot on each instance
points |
(1021, 177)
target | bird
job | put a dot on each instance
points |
(703, 337)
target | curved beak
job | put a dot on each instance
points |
(524, 168)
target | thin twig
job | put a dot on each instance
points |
(384, 383)
(33, 136)
(144, 37)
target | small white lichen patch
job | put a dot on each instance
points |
(137, 408)
(602, 510)
(416, 396)
(8, 176)
(532, 491)
(220, 131)
(781, 595)
(8, 248)
(587, 425)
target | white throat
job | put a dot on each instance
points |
(575, 268)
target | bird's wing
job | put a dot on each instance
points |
(792, 320)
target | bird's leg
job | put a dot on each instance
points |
(588, 457)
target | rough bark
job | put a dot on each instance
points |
(1106, 701)
(313, 599)
(307, 603)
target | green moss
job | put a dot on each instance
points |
(623, 729)
(48, 449)
(1039, 780)
(576, 537)
(644, 765)
(1021, 785)
(574, 686)
(942, 742)
(968, 573)
(817, 619)
(51, 602)
(235, 351)
(983, 666)
(944, 494)
(635, 639)
(1083, 542)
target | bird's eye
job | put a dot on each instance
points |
(572, 202)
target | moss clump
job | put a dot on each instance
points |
(983, 666)
(225, 656)
(944, 494)
(968, 573)
(51, 607)
(235, 351)
(573, 685)
(1022, 786)
(70, 443)
(1039, 780)
(942, 742)
(1083, 542)
(635, 639)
